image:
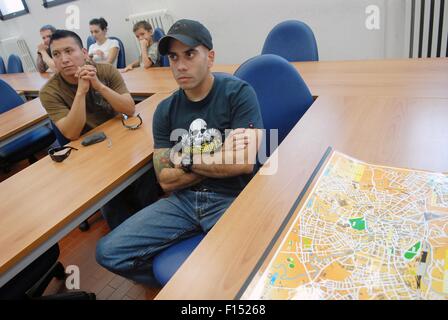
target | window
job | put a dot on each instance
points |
(52, 3)
(12, 8)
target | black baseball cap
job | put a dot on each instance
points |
(189, 32)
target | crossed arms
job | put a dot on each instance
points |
(236, 157)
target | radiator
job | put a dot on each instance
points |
(18, 46)
(427, 28)
(158, 19)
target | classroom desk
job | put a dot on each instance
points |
(396, 78)
(392, 131)
(45, 201)
(406, 128)
(21, 120)
(28, 82)
(426, 78)
(140, 82)
(404, 77)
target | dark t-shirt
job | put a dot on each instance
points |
(231, 104)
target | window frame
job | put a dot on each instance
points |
(15, 14)
(54, 3)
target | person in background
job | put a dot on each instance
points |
(104, 50)
(149, 55)
(44, 61)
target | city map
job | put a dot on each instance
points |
(363, 232)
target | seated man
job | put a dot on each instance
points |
(192, 120)
(149, 54)
(81, 96)
(44, 61)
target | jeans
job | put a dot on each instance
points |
(128, 250)
(139, 194)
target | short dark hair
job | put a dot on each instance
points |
(101, 22)
(60, 34)
(48, 27)
(142, 24)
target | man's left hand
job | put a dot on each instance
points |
(89, 73)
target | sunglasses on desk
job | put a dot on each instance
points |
(59, 154)
(130, 122)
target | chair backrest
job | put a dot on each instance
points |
(90, 41)
(2, 66)
(282, 94)
(292, 40)
(9, 98)
(164, 61)
(156, 36)
(15, 64)
(121, 59)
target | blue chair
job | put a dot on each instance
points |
(15, 64)
(292, 40)
(166, 263)
(282, 94)
(157, 35)
(2, 66)
(121, 59)
(26, 146)
(90, 41)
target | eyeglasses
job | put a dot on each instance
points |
(131, 126)
(58, 154)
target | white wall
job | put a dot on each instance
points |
(239, 27)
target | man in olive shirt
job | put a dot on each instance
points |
(81, 96)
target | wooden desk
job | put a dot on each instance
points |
(396, 78)
(396, 131)
(29, 82)
(140, 82)
(403, 132)
(145, 82)
(426, 78)
(45, 201)
(405, 78)
(21, 120)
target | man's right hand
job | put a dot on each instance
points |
(83, 84)
(144, 44)
(238, 139)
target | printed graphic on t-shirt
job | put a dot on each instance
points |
(201, 139)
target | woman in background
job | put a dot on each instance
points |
(104, 50)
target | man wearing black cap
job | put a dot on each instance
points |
(205, 138)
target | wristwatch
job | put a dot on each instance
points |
(186, 163)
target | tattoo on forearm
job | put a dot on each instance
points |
(162, 160)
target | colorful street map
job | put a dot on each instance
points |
(364, 232)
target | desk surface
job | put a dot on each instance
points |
(404, 78)
(399, 78)
(139, 81)
(41, 199)
(402, 132)
(396, 131)
(21, 117)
